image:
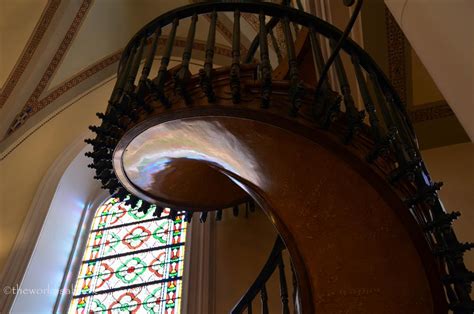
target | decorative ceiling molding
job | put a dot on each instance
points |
(431, 111)
(39, 104)
(398, 73)
(29, 50)
(33, 105)
(55, 62)
(396, 56)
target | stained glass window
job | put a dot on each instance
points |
(133, 262)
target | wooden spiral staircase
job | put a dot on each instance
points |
(282, 126)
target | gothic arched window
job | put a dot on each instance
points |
(133, 262)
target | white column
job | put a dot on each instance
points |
(442, 34)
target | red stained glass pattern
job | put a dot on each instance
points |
(133, 263)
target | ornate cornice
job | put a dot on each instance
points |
(39, 104)
(396, 56)
(33, 105)
(58, 56)
(29, 50)
(431, 111)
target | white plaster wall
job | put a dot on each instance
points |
(75, 193)
(23, 167)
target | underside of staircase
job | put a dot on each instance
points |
(313, 133)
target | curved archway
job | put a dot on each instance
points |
(57, 212)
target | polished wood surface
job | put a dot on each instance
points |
(352, 241)
(356, 252)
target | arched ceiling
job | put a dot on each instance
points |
(73, 45)
(18, 20)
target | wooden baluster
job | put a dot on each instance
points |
(327, 102)
(122, 79)
(205, 74)
(235, 211)
(264, 298)
(149, 61)
(188, 216)
(299, 5)
(129, 99)
(266, 68)
(203, 217)
(249, 308)
(294, 282)
(183, 75)
(401, 151)
(219, 215)
(159, 81)
(130, 84)
(235, 68)
(375, 127)
(276, 46)
(283, 286)
(355, 118)
(296, 90)
(409, 161)
(369, 105)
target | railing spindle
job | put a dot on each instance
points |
(206, 73)
(130, 84)
(149, 61)
(183, 74)
(380, 145)
(294, 282)
(326, 102)
(283, 286)
(235, 67)
(203, 217)
(160, 80)
(355, 117)
(265, 64)
(296, 87)
(299, 5)
(218, 214)
(249, 307)
(264, 298)
(122, 79)
(276, 46)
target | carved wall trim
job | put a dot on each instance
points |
(55, 62)
(29, 50)
(396, 56)
(34, 107)
(432, 111)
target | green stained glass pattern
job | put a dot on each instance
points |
(133, 263)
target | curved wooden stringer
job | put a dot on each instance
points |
(351, 199)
